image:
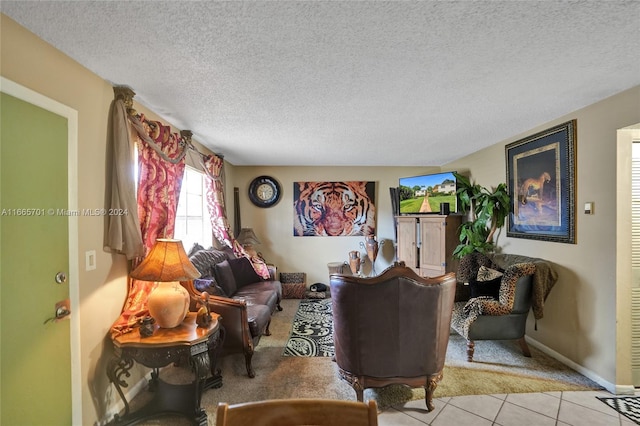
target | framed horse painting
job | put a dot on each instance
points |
(541, 185)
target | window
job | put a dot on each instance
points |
(193, 224)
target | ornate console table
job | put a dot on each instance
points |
(185, 343)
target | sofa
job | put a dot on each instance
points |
(244, 300)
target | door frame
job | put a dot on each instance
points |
(624, 374)
(25, 94)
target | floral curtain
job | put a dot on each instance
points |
(213, 166)
(159, 183)
(160, 171)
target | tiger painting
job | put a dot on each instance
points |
(333, 209)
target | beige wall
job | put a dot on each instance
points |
(579, 322)
(102, 290)
(579, 317)
(274, 225)
(30, 62)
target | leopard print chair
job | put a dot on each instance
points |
(501, 317)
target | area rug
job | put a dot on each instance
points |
(311, 331)
(628, 406)
(498, 368)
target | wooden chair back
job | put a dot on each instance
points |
(295, 412)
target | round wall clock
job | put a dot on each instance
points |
(264, 191)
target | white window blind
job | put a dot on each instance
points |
(193, 224)
(635, 262)
(635, 206)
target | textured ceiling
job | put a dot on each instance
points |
(350, 83)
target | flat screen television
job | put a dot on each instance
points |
(424, 194)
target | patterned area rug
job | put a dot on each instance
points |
(498, 368)
(311, 332)
(628, 406)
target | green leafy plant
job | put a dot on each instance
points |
(488, 210)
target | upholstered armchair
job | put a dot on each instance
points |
(392, 329)
(493, 302)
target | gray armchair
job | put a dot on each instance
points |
(392, 329)
(486, 318)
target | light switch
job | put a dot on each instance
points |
(588, 208)
(90, 260)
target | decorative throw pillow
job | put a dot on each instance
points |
(488, 274)
(243, 271)
(196, 248)
(225, 278)
(205, 261)
(210, 286)
(318, 287)
(485, 288)
(227, 251)
(487, 283)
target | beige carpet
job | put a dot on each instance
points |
(498, 367)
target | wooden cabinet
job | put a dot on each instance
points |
(426, 243)
(439, 237)
(407, 244)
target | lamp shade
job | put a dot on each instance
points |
(247, 237)
(167, 261)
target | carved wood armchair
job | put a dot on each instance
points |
(392, 329)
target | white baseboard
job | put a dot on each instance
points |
(611, 387)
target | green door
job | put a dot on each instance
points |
(34, 246)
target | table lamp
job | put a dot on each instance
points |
(167, 264)
(247, 239)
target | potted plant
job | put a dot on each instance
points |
(488, 210)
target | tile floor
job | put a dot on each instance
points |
(528, 409)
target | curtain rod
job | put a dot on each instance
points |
(126, 94)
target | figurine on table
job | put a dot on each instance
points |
(147, 326)
(203, 317)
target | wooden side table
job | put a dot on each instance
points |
(185, 343)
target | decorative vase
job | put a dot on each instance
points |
(372, 251)
(168, 304)
(354, 262)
